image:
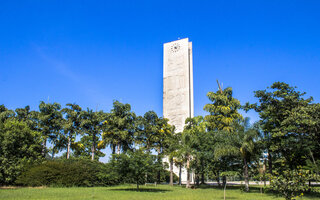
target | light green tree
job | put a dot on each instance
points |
(222, 111)
(50, 125)
(72, 123)
(91, 125)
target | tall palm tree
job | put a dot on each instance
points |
(242, 143)
(189, 142)
(50, 124)
(91, 124)
(119, 127)
(72, 123)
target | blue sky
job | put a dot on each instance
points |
(94, 52)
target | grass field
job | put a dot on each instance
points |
(129, 192)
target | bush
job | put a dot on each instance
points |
(291, 183)
(68, 173)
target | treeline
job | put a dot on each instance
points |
(221, 144)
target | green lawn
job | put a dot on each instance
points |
(129, 192)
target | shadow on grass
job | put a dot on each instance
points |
(154, 190)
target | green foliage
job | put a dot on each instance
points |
(287, 124)
(19, 146)
(71, 124)
(241, 143)
(291, 183)
(223, 110)
(68, 173)
(119, 127)
(91, 124)
(134, 167)
(50, 124)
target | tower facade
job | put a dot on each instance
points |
(177, 82)
(178, 88)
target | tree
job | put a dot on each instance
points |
(197, 128)
(72, 124)
(133, 166)
(119, 127)
(50, 125)
(305, 121)
(171, 150)
(291, 183)
(188, 141)
(278, 108)
(19, 146)
(222, 111)
(5, 113)
(240, 143)
(91, 124)
(148, 133)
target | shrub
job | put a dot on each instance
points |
(291, 183)
(68, 173)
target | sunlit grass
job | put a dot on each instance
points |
(146, 192)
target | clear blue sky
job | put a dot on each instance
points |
(93, 52)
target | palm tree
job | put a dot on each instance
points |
(186, 151)
(241, 143)
(171, 150)
(72, 123)
(91, 124)
(189, 141)
(119, 127)
(50, 124)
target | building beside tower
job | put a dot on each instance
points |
(178, 86)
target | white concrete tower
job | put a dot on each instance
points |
(178, 87)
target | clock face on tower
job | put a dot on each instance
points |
(175, 47)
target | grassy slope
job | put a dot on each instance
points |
(129, 192)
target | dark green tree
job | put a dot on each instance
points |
(134, 165)
(19, 146)
(119, 128)
(279, 108)
(240, 143)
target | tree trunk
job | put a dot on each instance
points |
(224, 180)
(225, 188)
(69, 144)
(171, 171)
(52, 156)
(44, 147)
(159, 173)
(197, 179)
(202, 171)
(180, 174)
(113, 148)
(264, 172)
(188, 172)
(93, 148)
(270, 162)
(246, 174)
(118, 148)
(202, 178)
(218, 179)
(137, 186)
